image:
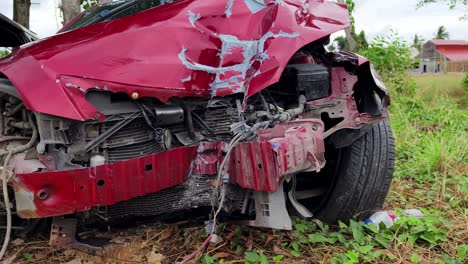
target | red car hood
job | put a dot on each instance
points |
(186, 48)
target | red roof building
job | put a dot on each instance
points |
(441, 55)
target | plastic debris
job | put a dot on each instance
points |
(389, 217)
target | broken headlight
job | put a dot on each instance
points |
(378, 81)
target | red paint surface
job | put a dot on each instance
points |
(282, 150)
(139, 53)
(80, 189)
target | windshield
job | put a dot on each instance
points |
(111, 11)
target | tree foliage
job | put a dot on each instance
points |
(85, 4)
(362, 40)
(442, 33)
(391, 56)
(352, 41)
(465, 83)
(418, 42)
(3, 53)
(341, 43)
(451, 3)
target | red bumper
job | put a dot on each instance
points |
(284, 149)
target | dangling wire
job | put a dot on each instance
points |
(5, 180)
(221, 171)
(6, 199)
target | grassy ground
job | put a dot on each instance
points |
(431, 174)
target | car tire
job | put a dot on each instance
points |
(363, 176)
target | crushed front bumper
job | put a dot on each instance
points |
(282, 150)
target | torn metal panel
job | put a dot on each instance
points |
(195, 39)
(234, 78)
(342, 104)
(56, 193)
(282, 150)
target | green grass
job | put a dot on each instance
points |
(430, 174)
(432, 164)
(3, 53)
(432, 89)
(430, 131)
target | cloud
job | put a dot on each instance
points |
(378, 16)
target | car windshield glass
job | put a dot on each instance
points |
(137, 7)
(97, 13)
(112, 11)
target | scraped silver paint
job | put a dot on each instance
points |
(253, 5)
(193, 17)
(229, 5)
(71, 85)
(252, 51)
(187, 79)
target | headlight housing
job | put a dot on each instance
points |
(378, 81)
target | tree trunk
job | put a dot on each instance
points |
(70, 9)
(352, 43)
(21, 12)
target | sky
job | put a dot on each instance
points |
(375, 17)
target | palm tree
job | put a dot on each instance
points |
(418, 42)
(362, 40)
(442, 33)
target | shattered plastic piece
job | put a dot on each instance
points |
(215, 239)
(388, 218)
(209, 226)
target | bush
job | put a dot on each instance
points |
(391, 57)
(465, 83)
(3, 53)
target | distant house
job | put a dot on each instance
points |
(439, 55)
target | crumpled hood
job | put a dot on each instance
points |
(13, 34)
(186, 48)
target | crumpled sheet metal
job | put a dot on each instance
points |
(54, 193)
(282, 150)
(181, 49)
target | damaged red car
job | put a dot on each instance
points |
(154, 108)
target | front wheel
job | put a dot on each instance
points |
(362, 173)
